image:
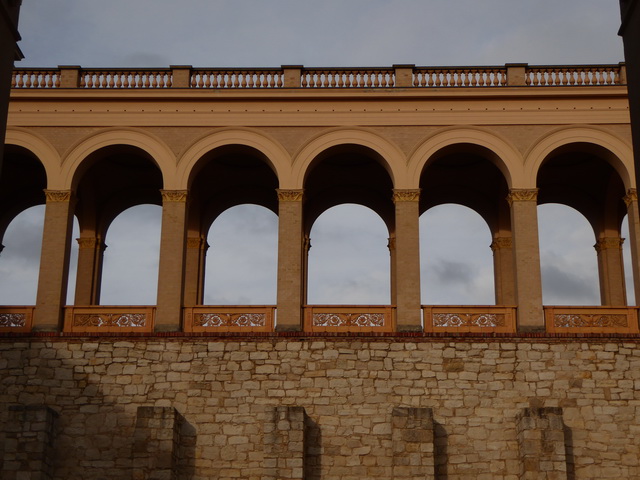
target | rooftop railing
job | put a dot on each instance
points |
(398, 76)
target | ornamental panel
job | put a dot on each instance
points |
(349, 318)
(16, 319)
(101, 318)
(469, 318)
(591, 319)
(259, 318)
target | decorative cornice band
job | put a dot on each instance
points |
(522, 195)
(289, 195)
(174, 195)
(406, 195)
(58, 195)
(630, 197)
(609, 243)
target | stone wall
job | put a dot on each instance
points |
(320, 407)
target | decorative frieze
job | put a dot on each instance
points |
(585, 320)
(348, 319)
(106, 320)
(406, 195)
(174, 195)
(522, 195)
(221, 320)
(461, 320)
(52, 196)
(289, 195)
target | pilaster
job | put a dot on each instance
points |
(407, 261)
(54, 260)
(290, 260)
(172, 259)
(526, 258)
(633, 217)
(89, 277)
(502, 248)
(611, 271)
(194, 270)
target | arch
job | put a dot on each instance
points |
(270, 148)
(395, 160)
(621, 158)
(507, 158)
(156, 148)
(40, 148)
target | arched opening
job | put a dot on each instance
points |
(348, 218)
(456, 265)
(567, 257)
(581, 176)
(242, 265)
(233, 208)
(464, 216)
(349, 258)
(130, 270)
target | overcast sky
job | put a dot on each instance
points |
(253, 33)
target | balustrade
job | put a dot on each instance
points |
(348, 78)
(16, 319)
(460, 77)
(236, 78)
(349, 318)
(591, 319)
(469, 318)
(125, 78)
(573, 76)
(109, 319)
(35, 78)
(229, 319)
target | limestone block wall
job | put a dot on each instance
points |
(335, 408)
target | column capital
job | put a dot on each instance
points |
(391, 243)
(608, 243)
(289, 195)
(197, 242)
(58, 195)
(90, 242)
(522, 195)
(630, 197)
(501, 242)
(174, 195)
(406, 195)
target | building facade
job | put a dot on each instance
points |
(185, 390)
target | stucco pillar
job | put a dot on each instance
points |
(503, 274)
(611, 271)
(54, 260)
(194, 270)
(407, 261)
(633, 217)
(526, 258)
(290, 261)
(89, 274)
(172, 259)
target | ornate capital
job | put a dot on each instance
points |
(289, 195)
(194, 242)
(630, 197)
(500, 243)
(90, 243)
(522, 195)
(608, 243)
(406, 195)
(391, 244)
(174, 195)
(58, 195)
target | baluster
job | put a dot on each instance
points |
(429, 78)
(245, 79)
(14, 81)
(616, 76)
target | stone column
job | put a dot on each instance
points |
(172, 256)
(392, 264)
(526, 259)
(407, 261)
(290, 261)
(89, 276)
(54, 260)
(412, 439)
(28, 443)
(633, 217)
(194, 270)
(284, 445)
(611, 271)
(503, 274)
(156, 443)
(541, 444)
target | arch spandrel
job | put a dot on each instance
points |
(506, 157)
(275, 153)
(621, 158)
(156, 148)
(41, 149)
(394, 158)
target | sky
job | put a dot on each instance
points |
(241, 263)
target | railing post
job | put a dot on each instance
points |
(69, 76)
(516, 74)
(403, 75)
(292, 75)
(181, 76)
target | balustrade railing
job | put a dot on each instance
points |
(403, 76)
(349, 318)
(16, 318)
(108, 319)
(224, 318)
(469, 318)
(561, 319)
